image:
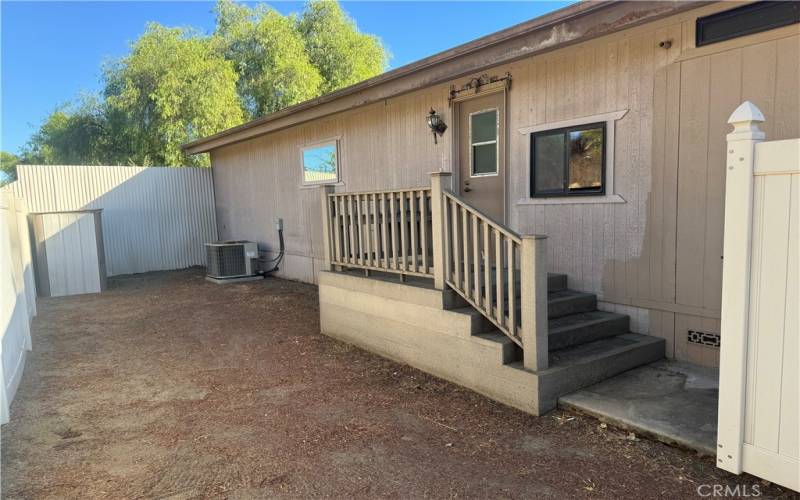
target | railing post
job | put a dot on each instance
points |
(533, 302)
(440, 182)
(736, 250)
(326, 226)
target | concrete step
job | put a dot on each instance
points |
(579, 366)
(507, 350)
(584, 327)
(556, 282)
(566, 302)
(478, 322)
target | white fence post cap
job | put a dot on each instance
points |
(746, 112)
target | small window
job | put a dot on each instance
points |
(320, 164)
(483, 142)
(568, 161)
(746, 20)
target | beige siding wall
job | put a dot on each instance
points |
(658, 255)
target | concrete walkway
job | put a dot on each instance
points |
(671, 401)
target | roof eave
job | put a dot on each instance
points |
(565, 26)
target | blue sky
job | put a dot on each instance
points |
(52, 51)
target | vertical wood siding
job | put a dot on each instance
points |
(659, 253)
(153, 218)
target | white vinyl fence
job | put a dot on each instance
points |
(17, 296)
(759, 378)
(154, 218)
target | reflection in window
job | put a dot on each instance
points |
(568, 161)
(320, 164)
(483, 142)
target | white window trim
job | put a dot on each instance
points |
(336, 141)
(496, 142)
(610, 196)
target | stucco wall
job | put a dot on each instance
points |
(656, 256)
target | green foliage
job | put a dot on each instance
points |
(8, 167)
(173, 88)
(177, 85)
(341, 53)
(70, 135)
(269, 56)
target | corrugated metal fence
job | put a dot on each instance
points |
(154, 218)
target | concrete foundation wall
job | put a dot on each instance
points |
(407, 324)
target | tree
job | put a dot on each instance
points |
(173, 88)
(269, 56)
(8, 167)
(73, 133)
(177, 85)
(341, 53)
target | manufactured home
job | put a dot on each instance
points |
(530, 212)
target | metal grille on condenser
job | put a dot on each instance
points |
(704, 338)
(225, 260)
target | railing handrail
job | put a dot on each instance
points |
(380, 191)
(497, 226)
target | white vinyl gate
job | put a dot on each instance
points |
(759, 378)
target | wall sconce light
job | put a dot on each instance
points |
(436, 124)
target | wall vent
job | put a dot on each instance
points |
(703, 338)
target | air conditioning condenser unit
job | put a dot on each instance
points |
(231, 259)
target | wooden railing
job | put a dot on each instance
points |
(482, 264)
(387, 231)
(434, 233)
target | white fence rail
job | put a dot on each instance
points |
(17, 296)
(759, 398)
(154, 218)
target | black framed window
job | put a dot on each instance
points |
(569, 161)
(745, 20)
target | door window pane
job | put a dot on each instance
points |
(320, 165)
(586, 159)
(483, 127)
(484, 159)
(548, 162)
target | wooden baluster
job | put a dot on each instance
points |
(456, 243)
(353, 229)
(375, 232)
(465, 227)
(403, 231)
(413, 207)
(487, 271)
(345, 228)
(512, 324)
(476, 261)
(384, 227)
(394, 231)
(336, 228)
(446, 240)
(423, 230)
(498, 276)
(368, 230)
(359, 230)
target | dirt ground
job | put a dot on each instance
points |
(168, 386)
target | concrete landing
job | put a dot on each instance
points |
(673, 402)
